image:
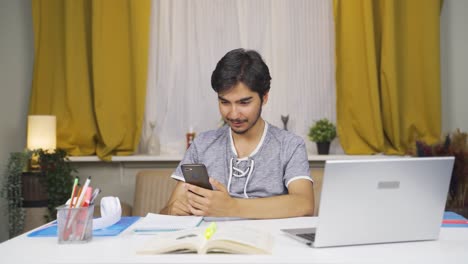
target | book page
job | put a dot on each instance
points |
(183, 241)
(240, 240)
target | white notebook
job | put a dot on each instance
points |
(154, 223)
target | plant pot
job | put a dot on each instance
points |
(34, 190)
(323, 148)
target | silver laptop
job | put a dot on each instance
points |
(380, 201)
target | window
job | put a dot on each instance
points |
(295, 38)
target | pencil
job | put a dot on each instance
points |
(75, 183)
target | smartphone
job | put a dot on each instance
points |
(196, 174)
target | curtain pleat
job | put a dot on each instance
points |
(90, 71)
(388, 74)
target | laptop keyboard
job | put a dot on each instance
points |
(308, 236)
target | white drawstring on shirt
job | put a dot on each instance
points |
(239, 174)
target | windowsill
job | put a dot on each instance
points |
(176, 158)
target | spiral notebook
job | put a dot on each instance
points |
(154, 223)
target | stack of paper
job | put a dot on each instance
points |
(154, 223)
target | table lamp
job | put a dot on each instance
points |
(41, 135)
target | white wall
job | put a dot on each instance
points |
(16, 64)
(454, 62)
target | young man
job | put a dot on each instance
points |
(257, 170)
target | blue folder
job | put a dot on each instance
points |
(113, 230)
(453, 216)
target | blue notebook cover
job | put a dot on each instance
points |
(454, 216)
(113, 230)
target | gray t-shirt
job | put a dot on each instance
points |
(279, 159)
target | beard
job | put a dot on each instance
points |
(240, 132)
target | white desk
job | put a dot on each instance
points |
(452, 247)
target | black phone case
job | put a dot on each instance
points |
(196, 174)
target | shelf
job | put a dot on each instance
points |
(176, 158)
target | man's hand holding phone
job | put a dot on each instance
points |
(196, 174)
(217, 203)
(202, 199)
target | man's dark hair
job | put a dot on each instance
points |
(239, 65)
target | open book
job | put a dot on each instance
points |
(238, 240)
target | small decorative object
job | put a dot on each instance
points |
(221, 123)
(455, 145)
(285, 120)
(190, 136)
(322, 133)
(153, 141)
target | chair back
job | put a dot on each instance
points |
(153, 189)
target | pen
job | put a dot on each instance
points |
(74, 189)
(79, 201)
(83, 192)
(84, 215)
(96, 192)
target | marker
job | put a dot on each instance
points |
(87, 199)
(210, 230)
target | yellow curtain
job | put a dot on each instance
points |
(388, 74)
(90, 71)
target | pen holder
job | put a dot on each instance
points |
(75, 225)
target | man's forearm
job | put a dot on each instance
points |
(290, 205)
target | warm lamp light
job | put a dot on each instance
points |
(41, 132)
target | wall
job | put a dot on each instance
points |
(454, 62)
(16, 62)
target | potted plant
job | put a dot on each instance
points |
(57, 172)
(322, 132)
(454, 144)
(11, 190)
(54, 178)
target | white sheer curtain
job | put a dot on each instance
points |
(295, 38)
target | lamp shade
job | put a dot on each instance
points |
(41, 132)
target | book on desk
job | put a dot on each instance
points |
(237, 240)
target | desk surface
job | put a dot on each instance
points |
(452, 247)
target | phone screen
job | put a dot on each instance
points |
(196, 174)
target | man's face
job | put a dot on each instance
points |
(240, 107)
